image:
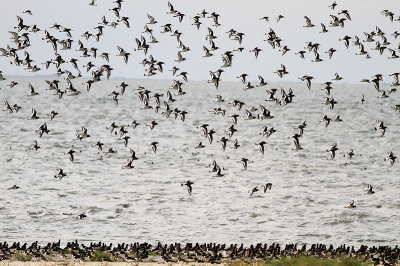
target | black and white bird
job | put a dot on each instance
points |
(71, 155)
(189, 186)
(381, 127)
(296, 140)
(267, 186)
(391, 158)
(261, 144)
(333, 150)
(152, 124)
(32, 91)
(60, 175)
(244, 162)
(253, 190)
(154, 146)
(129, 164)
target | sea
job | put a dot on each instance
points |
(150, 203)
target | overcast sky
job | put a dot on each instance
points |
(243, 16)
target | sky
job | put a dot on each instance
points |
(242, 16)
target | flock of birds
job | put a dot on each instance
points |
(194, 253)
(65, 41)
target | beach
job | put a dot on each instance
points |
(76, 262)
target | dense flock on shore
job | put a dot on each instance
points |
(61, 40)
(193, 253)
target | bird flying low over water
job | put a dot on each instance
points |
(189, 186)
(70, 154)
(333, 150)
(267, 186)
(351, 206)
(253, 190)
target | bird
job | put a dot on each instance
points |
(200, 145)
(125, 138)
(296, 140)
(281, 71)
(308, 80)
(324, 30)
(218, 98)
(84, 133)
(133, 155)
(189, 186)
(362, 50)
(154, 146)
(370, 191)
(32, 91)
(110, 150)
(16, 107)
(52, 114)
(330, 52)
(8, 107)
(268, 132)
(301, 54)
(337, 77)
(33, 116)
(235, 145)
(351, 206)
(317, 59)
(171, 8)
(60, 175)
(99, 145)
(350, 154)
(391, 158)
(43, 129)
(249, 115)
(219, 174)
(267, 186)
(346, 13)
(223, 141)
(333, 150)
(243, 77)
(123, 85)
(152, 124)
(180, 57)
(337, 119)
(333, 5)
(256, 51)
(231, 130)
(253, 190)
(214, 79)
(244, 162)
(34, 146)
(346, 40)
(71, 155)
(129, 164)
(362, 100)
(207, 52)
(12, 84)
(262, 82)
(279, 17)
(301, 127)
(381, 127)
(261, 144)
(210, 135)
(308, 23)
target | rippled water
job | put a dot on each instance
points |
(148, 203)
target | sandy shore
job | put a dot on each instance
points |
(65, 263)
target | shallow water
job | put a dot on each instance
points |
(148, 203)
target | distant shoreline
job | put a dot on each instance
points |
(51, 77)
